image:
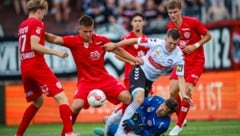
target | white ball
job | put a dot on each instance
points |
(96, 98)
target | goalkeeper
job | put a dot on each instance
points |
(152, 118)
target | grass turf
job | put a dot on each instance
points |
(193, 128)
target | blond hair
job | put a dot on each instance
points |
(34, 5)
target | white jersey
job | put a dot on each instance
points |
(158, 61)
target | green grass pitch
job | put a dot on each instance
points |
(193, 128)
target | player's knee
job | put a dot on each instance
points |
(138, 95)
(173, 94)
(77, 106)
(38, 102)
(125, 97)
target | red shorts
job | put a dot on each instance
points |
(38, 81)
(192, 72)
(110, 86)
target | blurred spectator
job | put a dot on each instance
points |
(95, 9)
(159, 23)
(192, 8)
(111, 13)
(20, 5)
(61, 10)
(217, 12)
(150, 11)
(236, 9)
(126, 9)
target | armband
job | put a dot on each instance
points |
(197, 44)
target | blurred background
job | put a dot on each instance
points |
(216, 95)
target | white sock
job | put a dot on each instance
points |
(129, 112)
(115, 116)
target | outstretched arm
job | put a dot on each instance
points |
(127, 56)
(36, 46)
(124, 60)
(111, 46)
(52, 38)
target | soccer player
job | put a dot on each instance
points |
(137, 23)
(152, 118)
(193, 36)
(88, 52)
(162, 56)
(37, 78)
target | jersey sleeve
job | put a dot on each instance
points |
(69, 41)
(200, 28)
(37, 29)
(149, 42)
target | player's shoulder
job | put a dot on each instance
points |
(129, 35)
(32, 22)
(190, 19)
(99, 37)
(156, 98)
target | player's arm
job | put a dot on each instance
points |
(182, 88)
(123, 59)
(205, 38)
(126, 42)
(36, 46)
(202, 41)
(127, 56)
(52, 38)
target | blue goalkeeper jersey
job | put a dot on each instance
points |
(153, 125)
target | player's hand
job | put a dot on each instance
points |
(189, 49)
(138, 61)
(62, 54)
(188, 100)
(129, 125)
(109, 46)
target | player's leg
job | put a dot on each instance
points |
(137, 88)
(111, 131)
(28, 115)
(53, 88)
(65, 112)
(34, 95)
(113, 118)
(77, 105)
(174, 92)
(185, 106)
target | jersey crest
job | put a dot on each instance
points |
(95, 55)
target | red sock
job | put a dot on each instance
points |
(74, 117)
(178, 99)
(65, 113)
(123, 107)
(27, 117)
(183, 112)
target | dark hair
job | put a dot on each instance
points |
(172, 105)
(86, 20)
(172, 4)
(174, 33)
(137, 15)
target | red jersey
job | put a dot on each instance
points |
(135, 50)
(191, 32)
(88, 57)
(29, 57)
(34, 69)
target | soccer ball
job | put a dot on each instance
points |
(96, 98)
